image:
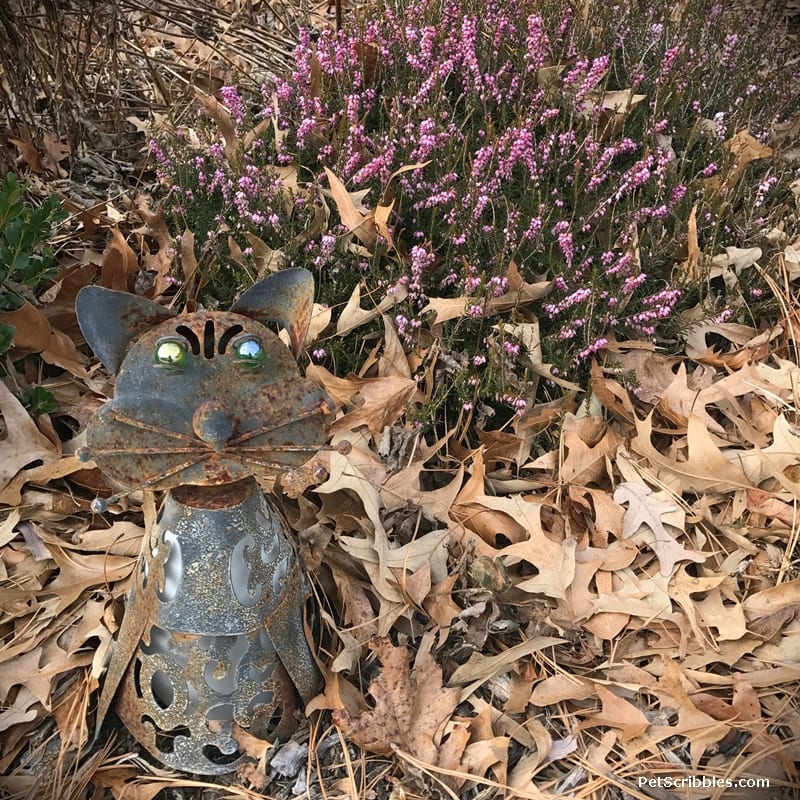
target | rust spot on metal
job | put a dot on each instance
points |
(224, 496)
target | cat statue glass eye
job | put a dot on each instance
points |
(249, 350)
(171, 352)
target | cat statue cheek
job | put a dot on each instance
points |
(214, 632)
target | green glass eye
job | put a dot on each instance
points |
(171, 353)
(249, 350)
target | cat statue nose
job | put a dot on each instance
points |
(213, 423)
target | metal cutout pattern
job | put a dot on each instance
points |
(207, 658)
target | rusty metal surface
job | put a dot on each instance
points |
(286, 298)
(214, 629)
(266, 417)
(124, 317)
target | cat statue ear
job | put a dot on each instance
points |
(285, 297)
(110, 320)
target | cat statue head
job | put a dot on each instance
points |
(205, 398)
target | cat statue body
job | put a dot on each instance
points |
(213, 633)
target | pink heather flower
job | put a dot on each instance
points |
(598, 344)
(421, 260)
(595, 74)
(677, 194)
(449, 280)
(234, 102)
(763, 189)
(498, 285)
(537, 44)
(318, 354)
(217, 150)
(727, 59)
(158, 153)
(533, 230)
(667, 63)
(723, 316)
(327, 244)
(471, 284)
(519, 404)
(478, 361)
(632, 283)
(567, 247)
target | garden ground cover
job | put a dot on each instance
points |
(554, 588)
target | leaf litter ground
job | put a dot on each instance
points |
(509, 620)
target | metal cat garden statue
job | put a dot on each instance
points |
(213, 632)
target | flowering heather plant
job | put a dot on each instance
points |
(573, 148)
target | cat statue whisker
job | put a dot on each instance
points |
(215, 631)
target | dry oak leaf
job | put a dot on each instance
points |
(411, 705)
(678, 402)
(159, 260)
(590, 445)
(214, 109)
(728, 618)
(554, 561)
(481, 667)
(406, 485)
(354, 316)
(705, 467)
(743, 336)
(79, 573)
(617, 713)
(23, 443)
(120, 264)
(130, 783)
(362, 225)
(35, 334)
(11, 494)
(374, 550)
(775, 598)
(469, 510)
(383, 402)
(519, 293)
(393, 360)
(701, 729)
(560, 687)
(760, 464)
(646, 508)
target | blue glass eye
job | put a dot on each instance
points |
(249, 350)
(171, 353)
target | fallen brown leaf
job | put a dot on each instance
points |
(411, 705)
(24, 444)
